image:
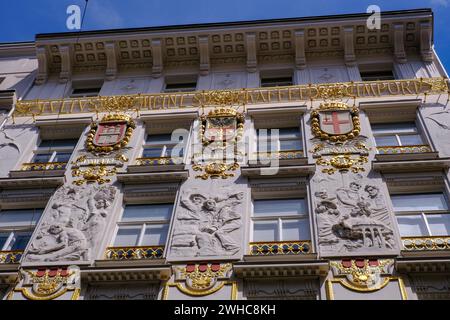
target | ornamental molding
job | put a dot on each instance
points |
(249, 96)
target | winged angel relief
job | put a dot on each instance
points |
(207, 225)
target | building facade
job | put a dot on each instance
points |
(280, 159)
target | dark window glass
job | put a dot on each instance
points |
(377, 75)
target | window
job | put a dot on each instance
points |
(180, 87)
(54, 150)
(86, 88)
(396, 134)
(280, 220)
(275, 140)
(144, 225)
(85, 92)
(425, 214)
(375, 75)
(276, 81)
(16, 228)
(161, 145)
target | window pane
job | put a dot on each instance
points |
(127, 236)
(62, 157)
(411, 226)
(20, 240)
(419, 202)
(155, 235)
(399, 127)
(295, 230)
(161, 139)
(41, 157)
(3, 238)
(439, 224)
(59, 143)
(290, 145)
(152, 152)
(265, 231)
(147, 212)
(386, 141)
(289, 133)
(411, 139)
(23, 217)
(178, 153)
(279, 207)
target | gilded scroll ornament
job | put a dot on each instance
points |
(343, 163)
(216, 170)
(363, 274)
(48, 283)
(93, 174)
(202, 279)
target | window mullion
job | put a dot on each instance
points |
(397, 136)
(141, 235)
(280, 228)
(8, 241)
(426, 223)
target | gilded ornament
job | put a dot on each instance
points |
(216, 170)
(94, 173)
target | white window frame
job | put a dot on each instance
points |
(279, 219)
(13, 229)
(423, 214)
(53, 150)
(397, 135)
(278, 145)
(143, 224)
(163, 146)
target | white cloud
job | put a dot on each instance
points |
(103, 15)
(444, 3)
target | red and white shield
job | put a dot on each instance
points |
(336, 121)
(109, 133)
(220, 129)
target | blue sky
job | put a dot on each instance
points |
(20, 20)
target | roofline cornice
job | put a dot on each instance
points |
(419, 13)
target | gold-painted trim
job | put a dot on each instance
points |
(261, 95)
(13, 254)
(386, 281)
(25, 292)
(426, 243)
(35, 166)
(423, 148)
(193, 293)
(279, 251)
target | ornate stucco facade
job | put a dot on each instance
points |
(348, 199)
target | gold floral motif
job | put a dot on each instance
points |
(43, 166)
(93, 174)
(157, 161)
(363, 278)
(117, 103)
(203, 281)
(437, 85)
(281, 155)
(426, 243)
(216, 170)
(280, 248)
(342, 163)
(134, 253)
(403, 149)
(10, 256)
(222, 97)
